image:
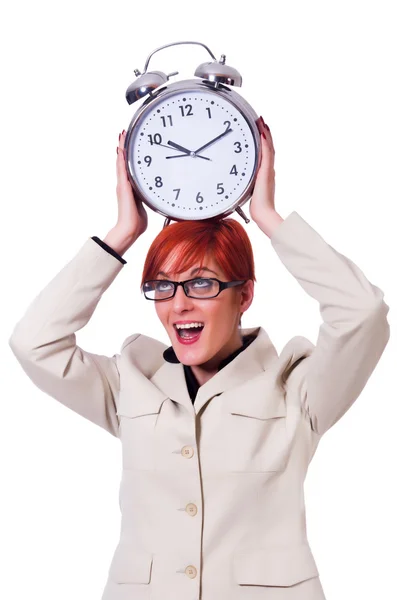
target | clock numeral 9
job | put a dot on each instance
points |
(199, 198)
(189, 110)
(155, 139)
(220, 188)
(159, 181)
(238, 146)
(148, 160)
(164, 121)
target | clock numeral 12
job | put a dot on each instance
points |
(189, 111)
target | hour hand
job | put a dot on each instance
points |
(185, 150)
(178, 147)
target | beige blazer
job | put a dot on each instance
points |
(211, 495)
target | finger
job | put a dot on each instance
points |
(120, 163)
(267, 147)
(267, 159)
(269, 137)
(122, 138)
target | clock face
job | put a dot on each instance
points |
(192, 154)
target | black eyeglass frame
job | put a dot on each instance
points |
(222, 286)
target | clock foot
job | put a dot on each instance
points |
(242, 215)
(166, 222)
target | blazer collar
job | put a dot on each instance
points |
(170, 356)
(257, 356)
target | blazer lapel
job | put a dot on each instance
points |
(170, 378)
(245, 366)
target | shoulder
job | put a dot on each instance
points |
(294, 353)
(143, 352)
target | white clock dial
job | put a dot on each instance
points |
(193, 154)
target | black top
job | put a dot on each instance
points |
(108, 249)
(169, 354)
(191, 381)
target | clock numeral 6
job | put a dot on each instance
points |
(199, 198)
(148, 160)
(238, 146)
(189, 110)
(155, 139)
(220, 188)
(159, 181)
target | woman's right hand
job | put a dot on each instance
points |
(132, 218)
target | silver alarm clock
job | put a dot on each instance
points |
(193, 147)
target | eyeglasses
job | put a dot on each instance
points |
(200, 288)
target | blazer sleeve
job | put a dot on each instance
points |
(44, 340)
(354, 331)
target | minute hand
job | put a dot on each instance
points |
(213, 141)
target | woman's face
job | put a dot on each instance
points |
(220, 315)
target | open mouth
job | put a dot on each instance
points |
(189, 334)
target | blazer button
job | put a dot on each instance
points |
(191, 509)
(187, 451)
(191, 571)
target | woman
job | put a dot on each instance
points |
(217, 430)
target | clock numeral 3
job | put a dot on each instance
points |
(148, 160)
(238, 146)
(159, 181)
(155, 139)
(199, 198)
(220, 188)
(186, 110)
(233, 171)
(164, 120)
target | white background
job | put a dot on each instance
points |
(322, 74)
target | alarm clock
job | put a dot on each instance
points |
(192, 149)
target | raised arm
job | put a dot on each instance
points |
(354, 331)
(44, 340)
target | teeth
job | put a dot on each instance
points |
(188, 325)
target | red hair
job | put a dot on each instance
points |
(185, 243)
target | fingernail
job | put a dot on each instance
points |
(123, 132)
(119, 136)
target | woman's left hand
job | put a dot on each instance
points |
(262, 200)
